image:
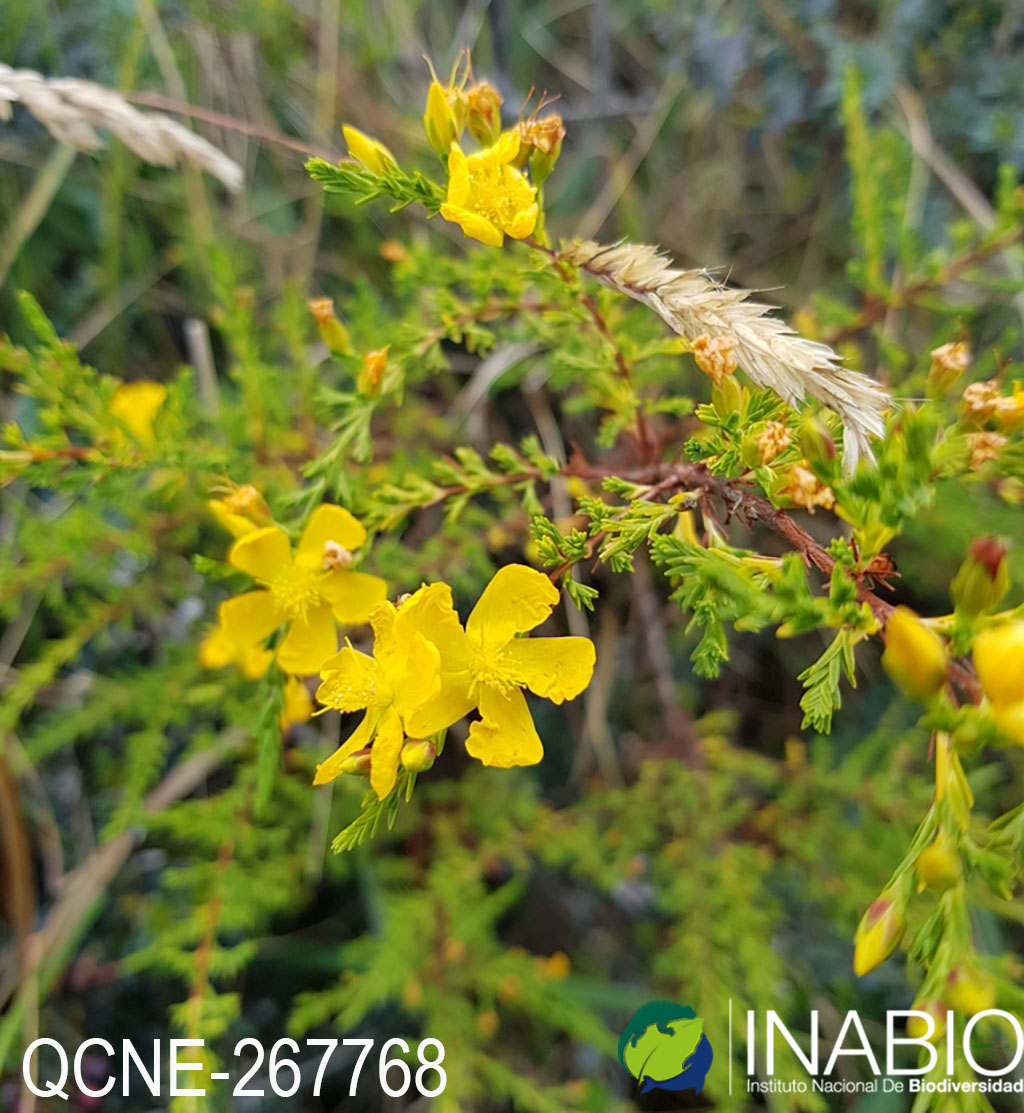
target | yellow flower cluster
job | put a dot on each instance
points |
(488, 194)
(426, 671)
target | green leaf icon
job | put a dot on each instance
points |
(659, 1053)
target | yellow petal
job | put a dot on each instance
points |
(309, 642)
(298, 704)
(135, 405)
(327, 770)
(505, 736)
(431, 612)
(451, 703)
(507, 147)
(264, 553)
(516, 600)
(387, 748)
(328, 523)
(216, 650)
(255, 662)
(473, 225)
(417, 680)
(352, 681)
(555, 668)
(354, 596)
(523, 223)
(458, 178)
(248, 619)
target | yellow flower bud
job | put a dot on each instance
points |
(917, 1027)
(375, 363)
(983, 578)
(357, 764)
(914, 656)
(999, 659)
(332, 331)
(938, 865)
(969, 990)
(878, 933)
(1010, 720)
(418, 756)
(368, 151)
(439, 120)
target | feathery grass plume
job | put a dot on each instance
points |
(774, 355)
(71, 109)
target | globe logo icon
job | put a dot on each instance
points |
(664, 1048)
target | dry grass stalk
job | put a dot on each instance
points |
(72, 109)
(775, 356)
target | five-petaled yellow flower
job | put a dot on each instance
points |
(310, 590)
(486, 666)
(402, 675)
(487, 196)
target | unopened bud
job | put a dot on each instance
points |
(439, 120)
(368, 151)
(727, 397)
(918, 1026)
(969, 990)
(483, 112)
(375, 363)
(878, 933)
(948, 363)
(999, 658)
(418, 756)
(816, 442)
(332, 331)
(983, 578)
(938, 865)
(357, 764)
(1010, 720)
(914, 656)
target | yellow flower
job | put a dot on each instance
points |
(999, 659)
(241, 510)
(915, 656)
(370, 152)
(486, 666)
(309, 590)
(487, 197)
(298, 703)
(218, 650)
(402, 675)
(135, 406)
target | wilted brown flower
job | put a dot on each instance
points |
(775, 439)
(715, 356)
(806, 489)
